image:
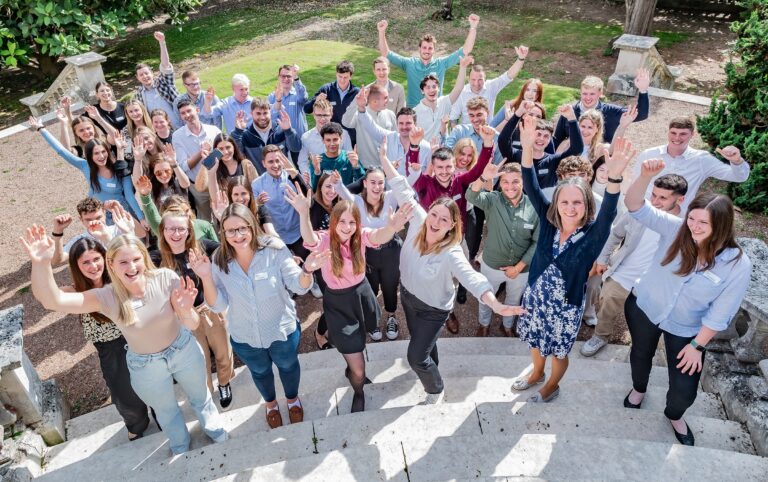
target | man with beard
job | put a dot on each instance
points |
(262, 132)
(478, 111)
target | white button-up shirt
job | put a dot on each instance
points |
(490, 91)
(187, 144)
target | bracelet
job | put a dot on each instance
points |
(174, 166)
(304, 270)
(57, 235)
(700, 348)
(415, 146)
(616, 181)
(484, 180)
(521, 59)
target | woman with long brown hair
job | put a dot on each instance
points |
(692, 290)
(350, 306)
(232, 164)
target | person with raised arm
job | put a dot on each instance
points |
(158, 92)
(430, 259)
(290, 95)
(571, 236)
(153, 308)
(350, 307)
(432, 108)
(692, 290)
(416, 68)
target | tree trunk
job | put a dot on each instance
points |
(639, 17)
(445, 13)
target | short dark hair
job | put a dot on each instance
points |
(89, 205)
(184, 103)
(672, 182)
(406, 111)
(188, 74)
(331, 128)
(426, 79)
(682, 123)
(345, 67)
(141, 66)
(284, 67)
(443, 154)
(544, 125)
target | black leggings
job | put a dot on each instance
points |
(474, 231)
(424, 323)
(383, 271)
(645, 339)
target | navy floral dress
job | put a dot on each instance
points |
(551, 324)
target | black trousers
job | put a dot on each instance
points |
(645, 339)
(114, 369)
(298, 249)
(474, 231)
(383, 271)
(424, 324)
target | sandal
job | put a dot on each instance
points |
(325, 346)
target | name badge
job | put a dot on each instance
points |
(333, 102)
(577, 236)
(527, 226)
(543, 171)
(260, 276)
(457, 197)
(711, 277)
(292, 103)
(111, 184)
(136, 304)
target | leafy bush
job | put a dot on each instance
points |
(35, 33)
(741, 119)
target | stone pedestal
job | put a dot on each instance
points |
(88, 72)
(637, 52)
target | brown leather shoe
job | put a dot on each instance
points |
(296, 414)
(274, 419)
(506, 331)
(482, 331)
(452, 323)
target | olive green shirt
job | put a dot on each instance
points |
(203, 229)
(512, 231)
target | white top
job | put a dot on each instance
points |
(637, 262)
(367, 219)
(695, 166)
(490, 91)
(395, 150)
(429, 119)
(367, 147)
(188, 144)
(430, 277)
(312, 145)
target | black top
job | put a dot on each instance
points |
(116, 118)
(182, 265)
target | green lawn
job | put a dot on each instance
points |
(318, 58)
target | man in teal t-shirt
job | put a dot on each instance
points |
(334, 159)
(416, 68)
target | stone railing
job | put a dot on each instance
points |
(78, 81)
(636, 52)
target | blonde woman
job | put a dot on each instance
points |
(465, 153)
(154, 309)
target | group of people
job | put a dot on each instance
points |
(206, 217)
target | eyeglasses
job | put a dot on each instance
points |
(176, 230)
(160, 172)
(242, 231)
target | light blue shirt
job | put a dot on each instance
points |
(415, 71)
(467, 130)
(682, 304)
(293, 103)
(214, 120)
(259, 307)
(342, 93)
(284, 217)
(228, 109)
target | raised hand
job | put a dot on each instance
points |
(219, 204)
(199, 263)
(731, 153)
(284, 121)
(522, 52)
(144, 186)
(240, 122)
(491, 171)
(316, 260)
(169, 153)
(183, 297)
(305, 177)
(643, 80)
(61, 115)
(488, 134)
(92, 112)
(322, 96)
(628, 116)
(159, 36)
(139, 147)
(66, 103)
(335, 177)
(295, 71)
(263, 198)
(651, 168)
(122, 219)
(466, 61)
(61, 222)
(361, 99)
(35, 125)
(416, 135)
(566, 110)
(315, 159)
(397, 220)
(623, 153)
(205, 148)
(119, 141)
(527, 128)
(98, 230)
(434, 144)
(210, 93)
(474, 20)
(354, 159)
(382, 25)
(300, 202)
(278, 92)
(39, 246)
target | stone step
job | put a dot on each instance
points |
(597, 394)
(420, 426)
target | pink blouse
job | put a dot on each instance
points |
(348, 278)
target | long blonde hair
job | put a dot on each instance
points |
(452, 238)
(127, 313)
(460, 145)
(596, 117)
(131, 126)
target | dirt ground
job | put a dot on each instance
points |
(36, 185)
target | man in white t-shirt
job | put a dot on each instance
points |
(94, 219)
(627, 255)
(433, 110)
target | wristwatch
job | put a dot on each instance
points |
(697, 346)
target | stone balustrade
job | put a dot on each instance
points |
(639, 52)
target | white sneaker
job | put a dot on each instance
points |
(590, 320)
(392, 328)
(375, 334)
(316, 291)
(433, 398)
(593, 345)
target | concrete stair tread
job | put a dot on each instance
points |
(423, 423)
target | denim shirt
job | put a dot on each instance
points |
(284, 217)
(682, 304)
(259, 307)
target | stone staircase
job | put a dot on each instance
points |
(482, 430)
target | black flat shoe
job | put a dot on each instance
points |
(358, 402)
(685, 439)
(325, 346)
(628, 404)
(461, 296)
(346, 374)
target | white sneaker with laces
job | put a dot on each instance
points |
(433, 398)
(590, 320)
(392, 328)
(593, 345)
(375, 334)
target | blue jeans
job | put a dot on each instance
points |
(152, 378)
(285, 356)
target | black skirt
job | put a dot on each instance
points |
(350, 314)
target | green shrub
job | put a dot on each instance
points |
(741, 119)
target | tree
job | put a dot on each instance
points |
(639, 17)
(445, 12)
(34, 34)
(741, 119)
